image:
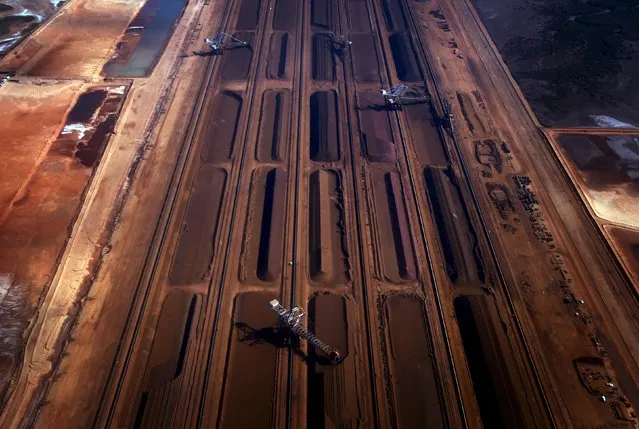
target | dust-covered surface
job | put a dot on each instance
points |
(73, 44)
(573, 59)
(608, 167)
(439, 269)
(627, 244)
(47, 171)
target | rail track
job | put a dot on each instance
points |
(162, 230)
(357, 208)
(298, 83)
(252, 86)
(439, 103)
(436, 288)
(218, 297)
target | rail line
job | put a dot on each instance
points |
(299, 75)
(160, 234)
(261, 32)
(439, 107)
(170, 204)
(431, 266)
(348, 81)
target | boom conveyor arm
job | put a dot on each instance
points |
(291, 319)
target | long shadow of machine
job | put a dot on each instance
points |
(338, 46)
(278, 337)
(378, 107)
(395, 98)
(288, 334)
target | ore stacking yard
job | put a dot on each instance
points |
(302, 214)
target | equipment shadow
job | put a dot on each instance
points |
(281, 338)
(378, 107)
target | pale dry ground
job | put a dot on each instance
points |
(626, 244)
(147, 104)
(613, 207)
(32, 116)
(60, 48)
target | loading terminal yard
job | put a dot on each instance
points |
(435, 256)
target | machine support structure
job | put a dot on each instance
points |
(222, 41)
(291, 319)
(403, 94)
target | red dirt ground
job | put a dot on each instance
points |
(627, 241)
(219, 136)
(192, 261)
(411, 365)
(251, 364)
(364, 58)
(45, 192)
(237, 62)
(426, 140)
(448, 295)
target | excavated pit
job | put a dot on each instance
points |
(324, 138)
(86, 106)
(237, 62)
(323, 59)
(405, 58)
(89, 125)
(429, 147)
(328, 257)
(265, 226)
(195, 250)
(457, 236)
(274, 126)
(251, 365)
(281, 49)
(412, 375)
(332, 389)
(220, 131)
(365, 59)
(394, 244)
(375, 129)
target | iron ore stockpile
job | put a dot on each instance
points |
(343, 217)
